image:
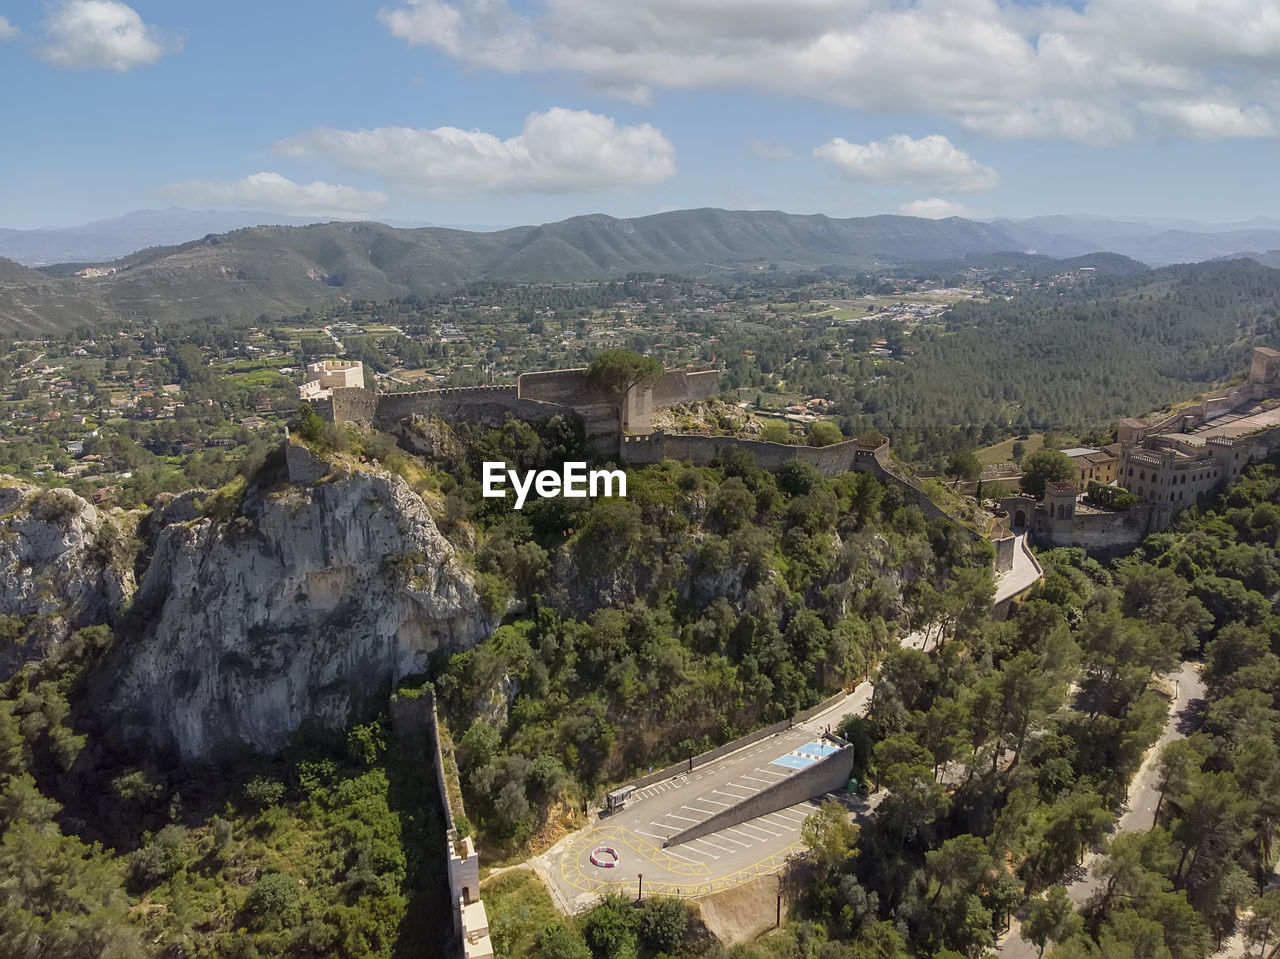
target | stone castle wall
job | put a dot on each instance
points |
(352, 405)
(677, 387)
(849, 456)
(1103, 531)
(536, 396)
(701, 450)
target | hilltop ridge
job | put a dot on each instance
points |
(285, 269)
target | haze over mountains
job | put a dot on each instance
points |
(1156, 242)
(284, 269)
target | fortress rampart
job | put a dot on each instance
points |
(849, 456)
(622, 430)
(535, 396)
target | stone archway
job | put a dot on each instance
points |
(1020, 519)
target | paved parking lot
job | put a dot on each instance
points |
(630, 842)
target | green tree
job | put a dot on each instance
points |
(610, 928)
(776, 431)
(829, 836)
(1052, 919)
(618, 372)
(662, 924)
(1046, 466)
(824, 433)
(272, 903)
(965, 466)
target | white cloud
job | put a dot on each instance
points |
(559, 151)
(932, 162)
(1055, 69)
(271, 191)
(103, 35)
(768, 150)
(1209, 120)
(935, 208)
(7, 30)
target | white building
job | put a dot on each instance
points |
(329, 375)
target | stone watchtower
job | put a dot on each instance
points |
(1060, 510)
(1264, 372)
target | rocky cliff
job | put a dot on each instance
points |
(292, 606)
(63, 565)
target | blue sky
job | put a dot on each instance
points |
(505, 112)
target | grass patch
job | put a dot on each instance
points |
(519, 907)
(1003, 452)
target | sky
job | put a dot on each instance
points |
(504, 112)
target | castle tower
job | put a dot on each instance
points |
(1060, 511)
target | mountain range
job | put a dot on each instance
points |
(284, 269)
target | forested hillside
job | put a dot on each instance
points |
(708, 603)
(1071, 359)
(1007, 749)
(277, 270)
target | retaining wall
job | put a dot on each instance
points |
(1005, 548)
(823, 776)
(688, 765)
(1101, 531)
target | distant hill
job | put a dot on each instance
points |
(1155, 242)
(286, 269)
(1037, 264)
(117, 236)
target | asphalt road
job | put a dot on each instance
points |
(1024, 573)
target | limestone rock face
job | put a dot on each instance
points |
(61, 567)
(309, 600)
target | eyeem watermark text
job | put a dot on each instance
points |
(574, 482)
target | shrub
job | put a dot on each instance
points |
(263, 791)
(55, 506)
(662, 924)
(272, 902)
(158, 859)
(366, 743)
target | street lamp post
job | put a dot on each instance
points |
(640, 892)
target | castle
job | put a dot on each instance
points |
(328, 375)
(535, 396)
(1176, 462)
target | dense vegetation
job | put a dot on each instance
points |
(1074, 359)
(328, 850)
(709, 602)
(1007, 749)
